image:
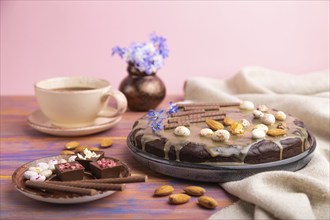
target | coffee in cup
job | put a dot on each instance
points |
(78, 101)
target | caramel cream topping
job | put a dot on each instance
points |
(237, 146)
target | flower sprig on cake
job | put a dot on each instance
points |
(173, 108)
(156, 118)
(153, 115)
(147, 57)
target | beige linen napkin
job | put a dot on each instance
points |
(277, 194)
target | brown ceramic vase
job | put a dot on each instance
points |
(143, 91)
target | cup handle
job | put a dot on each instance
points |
(121, 101)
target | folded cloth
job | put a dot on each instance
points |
(277, 194)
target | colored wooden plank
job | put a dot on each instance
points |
(21, 144)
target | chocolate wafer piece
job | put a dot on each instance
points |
(177, 119)
(206, 108)
(194, 117)
(129, 179)
(229, 104)
(91, 185)
(215, 113)
(185, 113)
(70, 189)
(196, 104)
(170, 126)
(207, 114)
(201, 105)
(197, 120)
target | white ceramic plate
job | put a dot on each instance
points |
(51, 197)
(40, 122)
(80, 199)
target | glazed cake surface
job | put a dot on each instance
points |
(157, 134)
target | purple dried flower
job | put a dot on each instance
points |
(160, 43)
(147, 57)
(173, 108)
(153, 115)
(156, 125)
(118, 50)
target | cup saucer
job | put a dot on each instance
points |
(40, 122)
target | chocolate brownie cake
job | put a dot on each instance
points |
(218, 134)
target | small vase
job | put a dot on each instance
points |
(143, 91)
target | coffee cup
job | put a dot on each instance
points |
(78, 101)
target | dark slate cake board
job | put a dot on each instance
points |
(219, 174)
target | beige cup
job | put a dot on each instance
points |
(77, 101)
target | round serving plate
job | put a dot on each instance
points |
(219, 174)
(55, 197)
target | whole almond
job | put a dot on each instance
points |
(207, 202)
(194, 190)
(214, 125)
(178, 199)
(276, 132)
(67, 152)
(106, 142)
(164, 190)
(228, 121)
(71, 145)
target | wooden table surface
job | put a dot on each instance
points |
(21, 143)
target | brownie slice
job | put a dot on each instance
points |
(105, 168)
(69, 171)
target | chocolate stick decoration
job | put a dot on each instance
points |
(202, 104)
(71, 189)
(90, 185)
(129, 179)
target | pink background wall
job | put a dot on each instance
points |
(42, 39)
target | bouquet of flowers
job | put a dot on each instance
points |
(147, 57)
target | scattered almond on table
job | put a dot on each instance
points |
(207, 202)
(181, 198)
(194, 190)
(106, 142)
(71, 145)
(164, 190)
(178, 199)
